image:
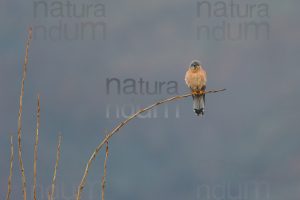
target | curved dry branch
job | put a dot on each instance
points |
(117, 128)
(20, 115)
(36, 146)
(10, 168)
(51, 193)
(103, 183)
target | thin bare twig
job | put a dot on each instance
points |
(10, 168)
(118, 127)
(51, 194)
(20, 115)
(104, 172)
(36, 146)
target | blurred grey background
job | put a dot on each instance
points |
(246, 147)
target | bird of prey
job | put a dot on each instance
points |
(195, 79)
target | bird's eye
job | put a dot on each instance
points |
(195, 64)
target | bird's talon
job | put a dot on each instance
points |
(198, 92)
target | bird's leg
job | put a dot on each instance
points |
(194, 92)
(198, 92)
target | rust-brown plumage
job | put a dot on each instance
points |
(195, 79)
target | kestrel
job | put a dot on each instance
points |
(195, 79)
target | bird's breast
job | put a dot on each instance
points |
(196, 80)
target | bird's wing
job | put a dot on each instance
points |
(187, 78)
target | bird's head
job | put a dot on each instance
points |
(195, 65)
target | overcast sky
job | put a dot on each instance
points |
(245, 147)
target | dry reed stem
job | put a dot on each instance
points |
(20, 115)
(51, 195)
(10, 168)
(104, 172)
(36, 146)
(118, 127)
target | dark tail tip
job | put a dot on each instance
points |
(199, 111)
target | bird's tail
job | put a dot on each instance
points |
(198, 104)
